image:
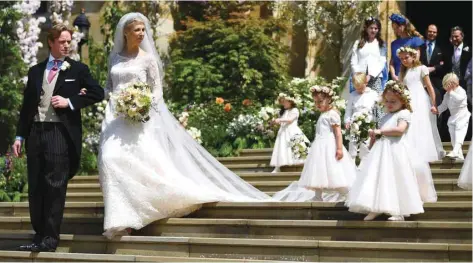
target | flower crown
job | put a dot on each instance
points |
(406, 50)
(398, 18)
(324, 89)
(399, 88)
(296, 100)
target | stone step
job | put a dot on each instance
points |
(281, 176)
(374, 231)
(261, 160)
(335, 230)
(260, 249)
(268, 151)
(440, 211)
(265, 186)
(98, 197)
(250, 166)
(17, 256)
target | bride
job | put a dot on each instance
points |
(154, 170)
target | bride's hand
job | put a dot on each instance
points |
(434, 110)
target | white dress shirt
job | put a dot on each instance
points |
(455, 101)
(368, 58)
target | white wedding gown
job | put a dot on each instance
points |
(154, 170)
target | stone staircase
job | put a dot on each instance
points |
(253, 232)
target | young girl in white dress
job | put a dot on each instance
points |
(391, 179)
(328, 166)
(423, 135)
(282, 153)
(363, 99)
(455, 100)
(464, 181)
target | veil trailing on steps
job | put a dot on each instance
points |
(189, 157)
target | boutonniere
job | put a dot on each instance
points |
(466, 49)
(65, 65)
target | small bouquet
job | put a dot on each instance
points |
(360, 125)
(299, 146)
(134, 102)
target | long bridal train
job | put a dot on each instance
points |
(154, 170)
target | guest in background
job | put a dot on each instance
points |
(459, 55)
(407, 36)
(433, 57)
(369, 55)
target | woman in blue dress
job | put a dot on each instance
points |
(406, 36)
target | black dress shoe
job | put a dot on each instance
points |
(43, 247)
(28, 247)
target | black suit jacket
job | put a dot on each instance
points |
(70, 118)
(438, 60)
(464, 59)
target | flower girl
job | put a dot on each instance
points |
(390, 179)
(423, 134)
(464, 181)
(455, 100)
(282, 152)
(363, 99)
(328, 165)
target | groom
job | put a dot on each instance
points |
(50, 126)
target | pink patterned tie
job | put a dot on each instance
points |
(53, 71)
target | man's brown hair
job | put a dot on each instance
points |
(55, 31)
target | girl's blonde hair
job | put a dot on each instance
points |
(414, 54)
(401, 91)
(449, 78)
(359, 78)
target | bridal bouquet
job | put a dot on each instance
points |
(134, 102)
(360, 124)
(299, 146)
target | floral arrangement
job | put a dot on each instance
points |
(243, 125)
(406, 49)
(134, 102)
(299, 146)
(295, 99)
(337, 102)
(268, 127)
(360, 125)
(196, 134)
(28, 30)
(184, 118)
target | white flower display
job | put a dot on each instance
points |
(196, 134)
(361, 123)
(243, 125)
(28, 31)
